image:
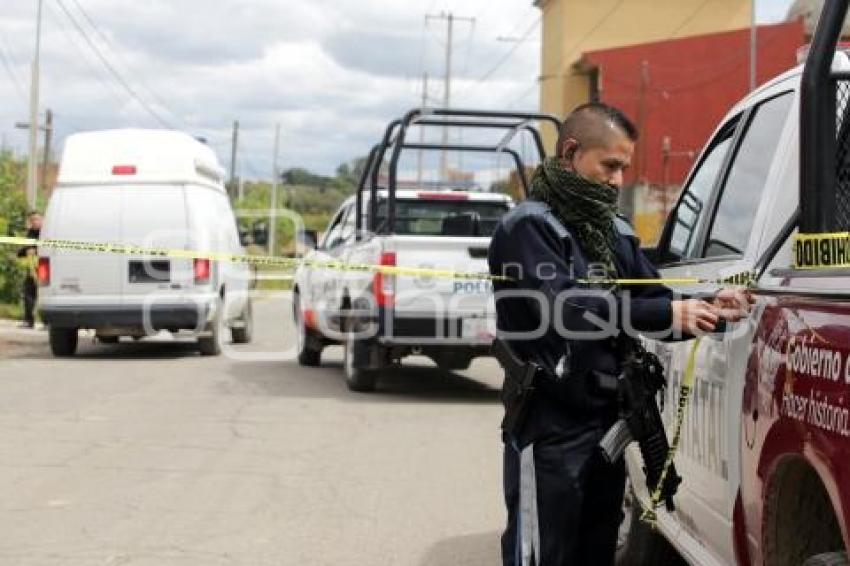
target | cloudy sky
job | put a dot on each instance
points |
(331, 72)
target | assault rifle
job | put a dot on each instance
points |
(640, 421)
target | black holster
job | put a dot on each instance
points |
(518, 387)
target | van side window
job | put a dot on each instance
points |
(334, 233)
(691, 211)
(742, 192)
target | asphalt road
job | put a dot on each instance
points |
(146, 453)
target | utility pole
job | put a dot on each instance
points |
(753, 46)
(447, 86)
(233, 149)
(48, 137)
(32, 169)
(273, 204)
(47, 128)
(422, 129)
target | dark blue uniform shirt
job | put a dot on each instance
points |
(545, 301)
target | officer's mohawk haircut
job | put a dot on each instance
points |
(591, 125)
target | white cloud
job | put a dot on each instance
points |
(332, 72)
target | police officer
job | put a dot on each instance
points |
(28, 256)
(564, 503)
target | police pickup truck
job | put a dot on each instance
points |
(379, 317)
(765, 447)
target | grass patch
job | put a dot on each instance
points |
(15, 311)
(273, 285)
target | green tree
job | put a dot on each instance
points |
(13, 210)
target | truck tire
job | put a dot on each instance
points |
(639, 543)
(358, 379)
(63, 342)
(243, 334)
(308, 355)
(210, 345)
(828, 559)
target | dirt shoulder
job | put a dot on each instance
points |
(19, 342)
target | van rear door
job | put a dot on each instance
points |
(89, 214)
(154, 217)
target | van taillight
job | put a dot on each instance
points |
(43, 271)
(202, 270)
(384, 283)
(124, 170)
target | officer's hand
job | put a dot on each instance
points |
(734, 304)
(693, 316)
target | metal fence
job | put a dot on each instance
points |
(842, 158)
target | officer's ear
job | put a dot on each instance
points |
(567, 151)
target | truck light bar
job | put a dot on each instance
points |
(443, 196)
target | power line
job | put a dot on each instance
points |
(587, 35)
(511, 52)
(6, 59)
(689, 19)
(115, 74)
(108, 86)
(105, 40)
(572, 48)
(470, 43)
(524, 95)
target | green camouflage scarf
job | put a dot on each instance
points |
(586, 208)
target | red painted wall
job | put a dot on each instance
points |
(689, 85)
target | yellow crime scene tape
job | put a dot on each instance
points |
(822, 251)
(271, 261)
(812, 252)
(649, 515)
(743, 279)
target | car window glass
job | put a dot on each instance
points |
(332, 236)
(746, 181)
(691, 211)
(445, 217)
(348, 225)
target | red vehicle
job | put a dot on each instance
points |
(765, 449)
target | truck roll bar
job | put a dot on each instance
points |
(394, 138)
(818, 119)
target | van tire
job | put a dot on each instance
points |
(828, 559)
(637, 542)
(243, 334)
(210, 345)
(63, 342)
(308, 355)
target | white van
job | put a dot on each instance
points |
(148, 188)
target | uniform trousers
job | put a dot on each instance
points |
(564, 502)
